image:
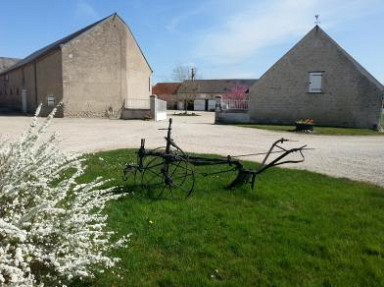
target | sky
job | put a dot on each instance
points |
(223, 39)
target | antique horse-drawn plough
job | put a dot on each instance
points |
(170, 168)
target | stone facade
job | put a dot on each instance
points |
(231, 117)
(348, 96)
(92, 72)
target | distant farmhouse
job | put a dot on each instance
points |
(167, 92)
(97, 71)
(199, 95)
(317, 79)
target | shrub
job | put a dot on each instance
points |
(52, 229)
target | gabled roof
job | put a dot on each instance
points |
(165, 88)
(359, 67)
(216, 86)
(317, 29)
(5, 63)
(56, 45)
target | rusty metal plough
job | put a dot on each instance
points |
(170, 168)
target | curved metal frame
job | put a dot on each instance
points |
(173, 159)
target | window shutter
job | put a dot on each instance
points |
(315, 82)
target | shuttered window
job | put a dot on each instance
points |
(315, 82)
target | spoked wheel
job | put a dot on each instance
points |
(138, 174)
(171, 177)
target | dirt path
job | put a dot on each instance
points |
(354, 157)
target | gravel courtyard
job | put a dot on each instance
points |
(354, 157)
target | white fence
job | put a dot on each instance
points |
(137, 104)
(160, 110)
(142, 108)
(229, 104)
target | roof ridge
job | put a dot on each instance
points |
(54, 45)
(359, 67)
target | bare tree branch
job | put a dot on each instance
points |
(189, 87)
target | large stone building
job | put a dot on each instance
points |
(317, 79)
(97, 71)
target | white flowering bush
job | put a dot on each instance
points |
(52, 229)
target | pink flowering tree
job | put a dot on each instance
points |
(237, 97)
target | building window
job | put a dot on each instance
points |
(315, 82)
(51, 100)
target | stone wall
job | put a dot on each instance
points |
(49, 81)
(39, 78)
(231, 117)
(92, 72)
(102, 68)
(137, 84)
(349, 98)
(131, 114)
(10, 91)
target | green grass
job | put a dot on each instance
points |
(296, 228)
(318, 130)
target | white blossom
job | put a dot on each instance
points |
(51, 228)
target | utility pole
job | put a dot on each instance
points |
(193, 74)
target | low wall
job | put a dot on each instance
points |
(232, 116)
(131, 114)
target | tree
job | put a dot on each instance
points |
(189, 87)
(237, 97)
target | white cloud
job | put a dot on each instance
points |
(264, 24)
(175, 22)
(84, 9)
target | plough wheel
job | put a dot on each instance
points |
(173, 177)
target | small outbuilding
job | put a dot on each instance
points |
(167, 92)
(317, 79)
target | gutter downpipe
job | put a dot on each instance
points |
(35, 72)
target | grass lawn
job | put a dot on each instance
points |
(296, 228)
(317, 130)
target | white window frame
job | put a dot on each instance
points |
(316, 83)
(51, 100)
